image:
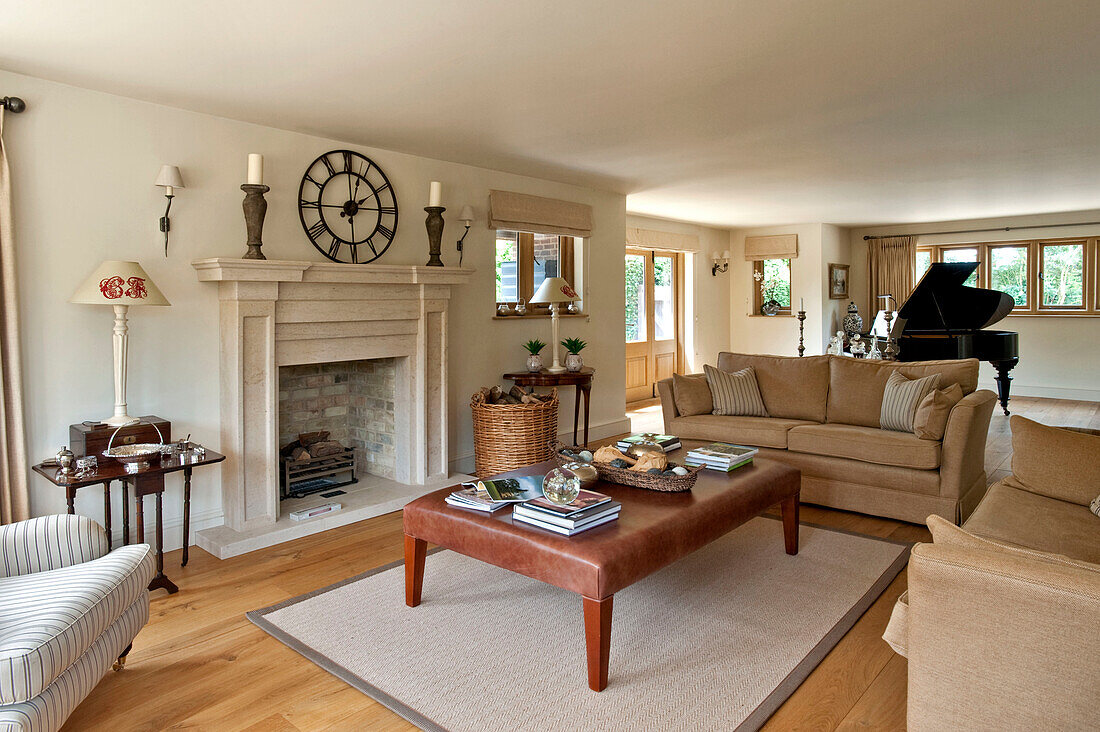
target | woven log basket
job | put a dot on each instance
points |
(510, 436)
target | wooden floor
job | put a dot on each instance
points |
(200, 664)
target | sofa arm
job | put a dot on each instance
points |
(668, 403)
(963, 452)
(999, 641)
(50, 542)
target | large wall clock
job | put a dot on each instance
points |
(347, 207)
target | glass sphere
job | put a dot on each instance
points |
(561, 487)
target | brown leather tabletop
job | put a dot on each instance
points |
(653, 530)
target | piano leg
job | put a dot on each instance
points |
(1004, 381)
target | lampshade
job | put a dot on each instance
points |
(170, 176)
(119, 283)
(554, 289)
(467, 215)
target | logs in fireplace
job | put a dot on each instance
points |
(314, 463)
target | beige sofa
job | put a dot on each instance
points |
(999, 622)
(824, 419)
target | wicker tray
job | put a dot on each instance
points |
(635, 479)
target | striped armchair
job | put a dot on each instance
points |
(69, 607)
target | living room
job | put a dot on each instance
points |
(761, 170)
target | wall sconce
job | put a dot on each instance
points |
(467, 218)
(720, 263)
(170, 179)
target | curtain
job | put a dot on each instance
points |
(519, 211)
(14, 498)
(665, 240)
(776, 246)
(891, 270)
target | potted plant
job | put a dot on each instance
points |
(534, 360)
(573, 360)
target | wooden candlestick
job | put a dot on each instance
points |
(255, 209)
(434, 224)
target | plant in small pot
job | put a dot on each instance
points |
(573, 360)
(534, 360)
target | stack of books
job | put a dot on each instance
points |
(589, 510)
(493, 495)
(667, 442)
(721, 456)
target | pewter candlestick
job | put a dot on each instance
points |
(801, 328)
(434, 224)
(255, 209)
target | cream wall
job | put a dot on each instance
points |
(83, 165)
(1059, 356)
(709, 307)
(818, 245)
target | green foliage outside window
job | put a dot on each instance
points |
(635, 297)
(1063, 274)
(1008, 266)
(776, 284)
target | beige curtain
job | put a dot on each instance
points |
(891, 270)
(519, 211)
(14, 499)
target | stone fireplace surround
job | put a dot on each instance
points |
(283, 313)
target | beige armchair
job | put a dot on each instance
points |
(69, 610)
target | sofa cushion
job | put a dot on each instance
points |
(867, 444)
(900, 400)
(1054, 462)
(791, 387)
(945, 532)
(1010, 514)
(930, 421)
(691, 394)
(735, 393)
(48, 619)
(754, 431)
(856, 385)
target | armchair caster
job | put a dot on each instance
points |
(121, 662)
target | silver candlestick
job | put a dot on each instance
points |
(801, 329)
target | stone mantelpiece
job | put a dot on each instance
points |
(279, 313)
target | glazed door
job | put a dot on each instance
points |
(652, 320)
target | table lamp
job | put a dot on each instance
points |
(119, 284)
(552, 291)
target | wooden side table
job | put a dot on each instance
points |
(582, 380)
(146, 481)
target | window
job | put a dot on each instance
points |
(772, 281)
(524, 260)
(1044, 277)
(636, 327)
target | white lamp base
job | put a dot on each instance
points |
(556, 369)
(120, 420)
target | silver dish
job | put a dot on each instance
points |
(140, 454)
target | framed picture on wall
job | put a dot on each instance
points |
(838, 281)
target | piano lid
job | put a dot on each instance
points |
(940, 302)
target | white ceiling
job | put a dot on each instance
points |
(732, 113)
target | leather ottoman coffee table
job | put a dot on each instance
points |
(653, 531)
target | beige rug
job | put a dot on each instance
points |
(716, 641)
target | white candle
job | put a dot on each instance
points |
(255, 169)
(435, 193)
(801, 303)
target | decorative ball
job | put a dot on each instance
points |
(619, 463)
(561, 486)
(670, 471)
(654, 471)
(585, 455)
(680, 470)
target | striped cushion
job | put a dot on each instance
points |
(735, 393)
(50, 542)
(50, 709)
(901, 399)
(48, 619)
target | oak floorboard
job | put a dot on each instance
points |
(200, 664)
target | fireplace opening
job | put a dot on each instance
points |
(336, 423)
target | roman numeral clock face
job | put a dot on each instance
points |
(347, 207)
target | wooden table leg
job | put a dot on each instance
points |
(586, 390)
(415, 552)
(789, 509)
(186, 513)
(139, 515)
(125, 513)
(597, 640)
(577, 414)
(161, 580)
(70, 499)
(107, 512)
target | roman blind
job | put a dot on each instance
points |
(777, 246)
(522, 212)
(666, 240)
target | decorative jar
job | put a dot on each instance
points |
(534, 362)
(853, 321)
(573, 362)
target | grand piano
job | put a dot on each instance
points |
(942, 318)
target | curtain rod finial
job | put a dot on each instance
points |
(14, 104)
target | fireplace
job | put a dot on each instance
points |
(306, 321)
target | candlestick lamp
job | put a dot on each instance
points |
(553, 291)
(119, 284)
